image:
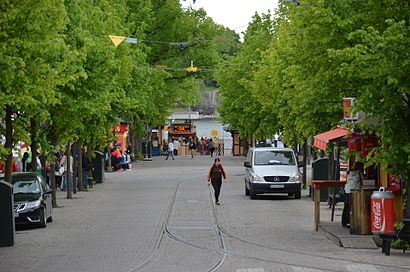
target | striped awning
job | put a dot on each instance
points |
(321, 140)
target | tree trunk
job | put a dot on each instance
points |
(53, 184)
(305, 160)
(80, 167)
(109, 166)
(407, 210)
(69, 173)
(90, 172)
(33, 146)
(75, 156)
(9, 144)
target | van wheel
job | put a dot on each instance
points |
(252, 193)
(298, 195)
(247, 192)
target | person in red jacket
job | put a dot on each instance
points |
(116, 158)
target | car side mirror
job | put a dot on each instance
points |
(247, 164)
(48, 191)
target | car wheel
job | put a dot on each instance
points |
(43, 221)
(247, 192)
(252, 193)
(298, 195)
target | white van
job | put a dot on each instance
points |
(272, 170)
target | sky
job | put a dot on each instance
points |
(234, 14)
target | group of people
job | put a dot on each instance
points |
(203, 146)
(120, 160)
(24, 164)
(63, 167)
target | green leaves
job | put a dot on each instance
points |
(314, 54)
(59, 66)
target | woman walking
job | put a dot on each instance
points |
(192, 147)
(215, 177)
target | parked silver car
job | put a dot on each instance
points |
(272, 170)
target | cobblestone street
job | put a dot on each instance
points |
(160, 216)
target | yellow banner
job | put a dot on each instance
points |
(116, 40)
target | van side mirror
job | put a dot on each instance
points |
(247, 164)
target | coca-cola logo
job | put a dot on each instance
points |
(377, 215)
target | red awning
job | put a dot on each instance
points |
(321, 140)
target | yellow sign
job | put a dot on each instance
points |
(214, 133)
(116, 40)
(192, 69)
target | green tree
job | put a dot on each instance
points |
(33, 58)
(240, 107)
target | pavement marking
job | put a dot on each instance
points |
(305, 269)
(250, 270)
(191, 228)
(361, 268)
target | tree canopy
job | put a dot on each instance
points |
(60, 69)
(317, 53)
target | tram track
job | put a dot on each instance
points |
(166, 231)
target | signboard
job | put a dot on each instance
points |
(181, 128)
(347, 109)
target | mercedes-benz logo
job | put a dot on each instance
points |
(276, 179)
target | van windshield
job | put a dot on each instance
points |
(274, 157)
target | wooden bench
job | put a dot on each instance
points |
(403, 234)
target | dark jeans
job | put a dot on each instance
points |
(170, 153)
(346, 210)
(217, 184)
(212, 150)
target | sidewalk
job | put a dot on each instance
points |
(335, 232)
(339, 235)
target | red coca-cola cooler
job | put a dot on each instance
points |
(382, 211)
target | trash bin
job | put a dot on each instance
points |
(320, 171)
(98, 167)
(360, 211)
(382, 211)
(7, 227)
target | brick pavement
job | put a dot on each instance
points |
(115, 226)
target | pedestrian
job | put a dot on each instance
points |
(192, 147)
(354, 178)
(216, 172)
(24, 162)
(116, 158)
(211, 147)
(63, 163)
(170, 150)
(176, 146)
(86, 164)
(59, 171)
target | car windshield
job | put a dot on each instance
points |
(26, 186)
(274, 157)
